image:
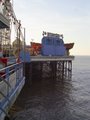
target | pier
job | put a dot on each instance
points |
(58, 66)
(19, 66)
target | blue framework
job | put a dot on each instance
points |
(11, 84)
(53, 46)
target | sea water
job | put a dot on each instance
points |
(56, 99)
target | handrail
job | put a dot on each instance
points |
(4, 96)
(8, 84)
(5, 81)
(10, 66)
(4, 111)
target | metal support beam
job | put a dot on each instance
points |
(4, 22)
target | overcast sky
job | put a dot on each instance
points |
(68, 17)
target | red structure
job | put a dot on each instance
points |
(68, 46)
(3, 63)
(36, 48)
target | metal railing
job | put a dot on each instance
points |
(1, 8)
(11, 83)
(4, 8)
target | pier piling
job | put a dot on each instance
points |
(56, 68)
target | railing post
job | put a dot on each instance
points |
(7, 79)
(16, 69)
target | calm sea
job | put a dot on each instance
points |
(56, 100)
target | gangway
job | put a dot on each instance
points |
(11, 83)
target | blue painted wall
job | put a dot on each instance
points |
(24, 56)
(53, 46)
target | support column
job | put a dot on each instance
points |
(69, 68)
(53, 69)
(28, 72)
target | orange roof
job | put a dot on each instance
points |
(69, 45)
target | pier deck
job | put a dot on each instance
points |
(58, 65)
(51, 58)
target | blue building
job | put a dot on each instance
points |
(53, 45)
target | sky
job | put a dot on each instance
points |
(68, 17)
